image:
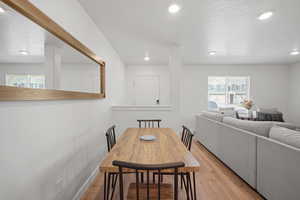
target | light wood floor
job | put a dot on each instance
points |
(214, 181)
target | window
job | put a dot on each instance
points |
(25, 80)
(228, 90)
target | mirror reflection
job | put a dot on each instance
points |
(31, 57)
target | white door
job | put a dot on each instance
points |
(146, 90)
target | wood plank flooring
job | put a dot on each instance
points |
(214, 181)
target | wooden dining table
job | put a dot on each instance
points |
(166, 148)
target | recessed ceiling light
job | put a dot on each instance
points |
(2, 10)
(174, 8)
(24, 52)
(295, 53)
(212, 53)
(265, 15)
(146, 58)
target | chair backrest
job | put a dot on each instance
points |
(149, 123)
(147, 168)
(187, 137)
(110, 137)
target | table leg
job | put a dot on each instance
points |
(195, 189)
(108, 186)
(105, 185)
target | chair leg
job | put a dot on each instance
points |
(108, 186)
(176, 185)
(137, 184)
(159, 178)
(181, 180)
(153, 178)
(114, 183)
(148, 189)
(142, 177)
(113, 180)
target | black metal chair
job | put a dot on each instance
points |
(110, 137)
(187, 137)
(149, 123)
(147, 169)
(112, 177)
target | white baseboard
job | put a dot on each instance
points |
(86, 184)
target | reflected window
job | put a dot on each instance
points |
(25, 81)
(228, 90)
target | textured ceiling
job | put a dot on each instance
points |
(228, 27)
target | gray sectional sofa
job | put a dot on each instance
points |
(265, 154)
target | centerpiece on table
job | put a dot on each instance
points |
(248, 104)
(251, 108)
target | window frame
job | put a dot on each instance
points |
(226, 92)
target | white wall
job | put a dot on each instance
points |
(269, 88)
(160, 71)
(294, 94)
(49, 148)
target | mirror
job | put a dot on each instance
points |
(31, 57)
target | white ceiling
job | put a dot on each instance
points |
(229, 27)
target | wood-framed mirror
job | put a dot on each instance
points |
(39, 60)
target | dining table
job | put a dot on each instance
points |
(165, 148)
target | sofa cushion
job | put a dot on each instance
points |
(260, 128)
(279, 133)
(285, 135)
(213, 115)
(287, 125)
